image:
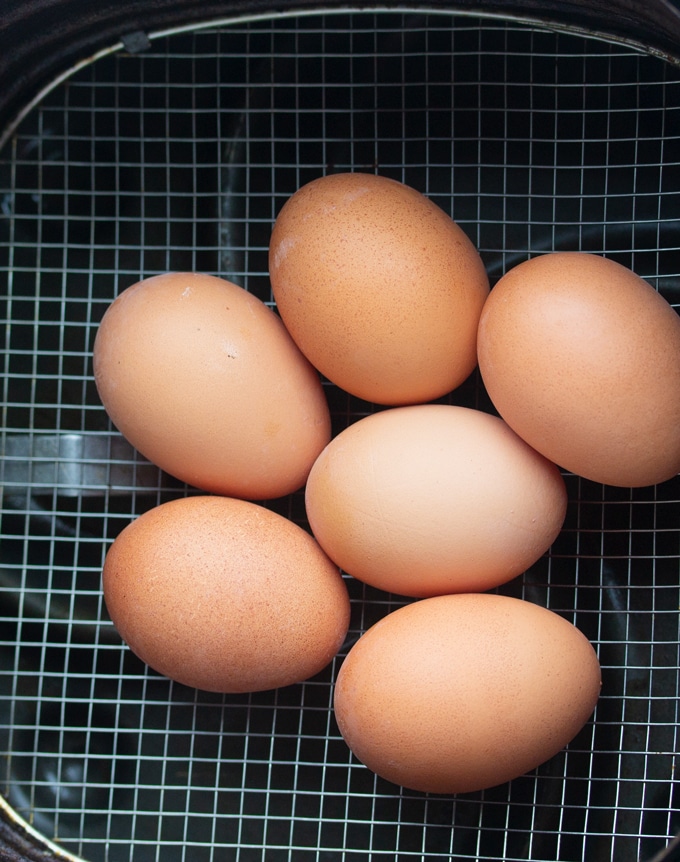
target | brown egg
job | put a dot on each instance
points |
(581, 357)
(434, 498)
(380, 289)
(458, 693)
(225, 595)
(205, 381)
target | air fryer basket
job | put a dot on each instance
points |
(174, 151)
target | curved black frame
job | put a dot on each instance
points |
(39, 39)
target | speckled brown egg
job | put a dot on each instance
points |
(458, 693)
(204, 380)
(581, 357)
(379, 287)
(434, 498)
(225, 595)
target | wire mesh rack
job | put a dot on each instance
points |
(176, 153)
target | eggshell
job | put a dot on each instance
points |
(225, 595)
(458, 693)
(205, 381)
(581, 357)
(378, 286)
(434, 498)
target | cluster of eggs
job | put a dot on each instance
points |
(383, 294)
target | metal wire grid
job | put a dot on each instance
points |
(179, 158)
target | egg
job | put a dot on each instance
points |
(225, 595)
(458, 693)
(379, 287)
(581, 357)
(204, 380)
(433, 498)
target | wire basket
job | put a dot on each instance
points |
(175, 151)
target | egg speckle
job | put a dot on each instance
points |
(378, 286)
(225, 595)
